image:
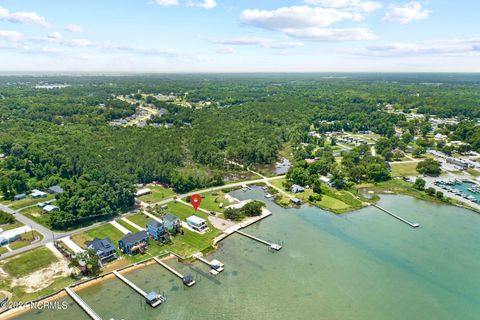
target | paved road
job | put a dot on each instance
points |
(49, 235)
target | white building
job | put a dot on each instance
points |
(197, 224)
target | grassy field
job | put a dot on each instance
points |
(28, 201)
(337, 201)
(37, 215)
(473, 172)
(25, 240)
(211, 201)
(29, 262)
(159, 193)
(104, 231)
(404, 169)
(127, 226)
(140, 219)
(11, 226)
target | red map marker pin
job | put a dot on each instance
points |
(195, 201)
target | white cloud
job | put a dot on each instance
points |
(305, 22)
(23, 17)
(225, 50)
(205, 4)
(360, 5)
(167, 3)
(256, 41)
(74, 28)
(296, 17)
(13, 36)
(440, 47)
(406, 13)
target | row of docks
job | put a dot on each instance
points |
(155, 299)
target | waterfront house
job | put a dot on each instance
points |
(172, 222)
(19, 196)
(133, 243)
(104, 249)
(197, 223)
(55, 189)
(156, 230)
(36, 194)
(297, 189)
(296, 201)
(50, 208)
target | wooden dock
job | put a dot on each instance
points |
(131, 284)
(82, 304)
(216, 265)
(175, 272)
(274, 246)
(413, 225)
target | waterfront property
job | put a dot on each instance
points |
(157, 230)
(133, 243)
(172, 223)
(197, 223)
(104, 249)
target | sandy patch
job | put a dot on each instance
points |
(43, 278)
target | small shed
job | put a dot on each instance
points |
(19, 196)
(296, 201)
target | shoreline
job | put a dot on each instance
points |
(83, 284)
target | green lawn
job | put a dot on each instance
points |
(404, 169)
(211, 201)
(127, 226)
(3, 250)
(37, 215)
(473, 172)
(140, 219)
(158, 194)
(28, 201)
(104, 231)
(11, 226)
(29, 262)
(25, 240)
(184, 211)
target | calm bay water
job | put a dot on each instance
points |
(363, 265)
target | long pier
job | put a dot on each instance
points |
(188, 282)
(82, 304)
(216, 265)
(271, 245)
(131, 284)
(413, 225)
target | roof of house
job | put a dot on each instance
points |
(103, 245)
(195, 220)
(170, 217)
(37, 193)
(154, 224)
(50, 207)
(55, 189)
(131, 237)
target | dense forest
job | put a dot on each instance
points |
(62, 135)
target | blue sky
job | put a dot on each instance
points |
(239, 36)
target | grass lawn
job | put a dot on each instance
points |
(127, 226)
(11, 226)
(103, 231)
(473, 172)
(184, 211)
(212, 200)
(37, 215)
(404, 169)
(140, 219)
(159, 193)
(3, 250)
(337, 201)
(25, 240)
(28, 201)
(29, 262)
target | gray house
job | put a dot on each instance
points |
(55, 189)
(297, 189)
(104, 249)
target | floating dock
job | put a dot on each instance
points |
(216, 265)
(273, 246)
(187, 280)
(413, 225)
(153, 299)
(82, 304)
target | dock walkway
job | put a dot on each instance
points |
(413, 225)
(82, 304)
(175, 272)
(131, 284)
(271, 245)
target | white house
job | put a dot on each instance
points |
(50, 208)
(197, 223)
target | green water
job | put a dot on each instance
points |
(364, 265)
